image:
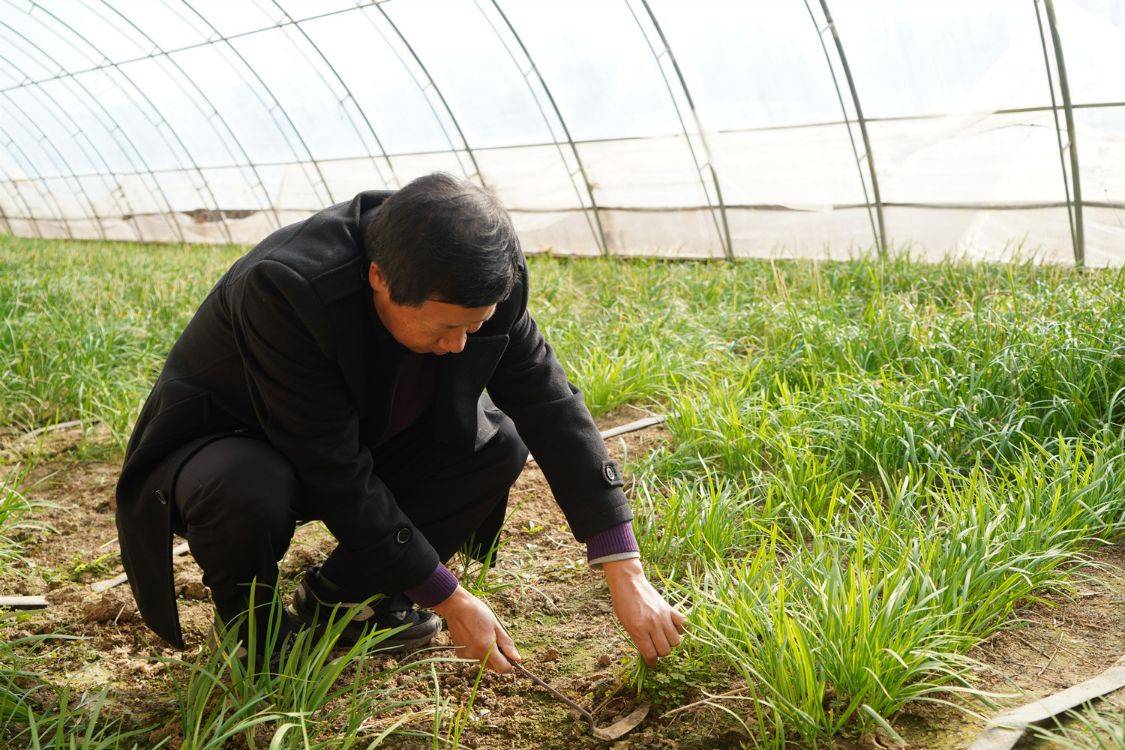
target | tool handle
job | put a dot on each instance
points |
(589, 716)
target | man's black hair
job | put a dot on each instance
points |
(443, 238)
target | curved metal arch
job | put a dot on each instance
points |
(4, 214)
(847, 122)
(196, 45)
(269, 109)
(10, 186)
(1058, 127)
(862, 126)
(78, 136)
(176, 228)
(432, 84)
(92, 213)
(9, 183)
(144, 96)
(276, 103)
(11, 180)
(7, 222)
(1072, 136)
(39, 181)
(209, 116)
(724, 230)
(596, 226)
(348, 95)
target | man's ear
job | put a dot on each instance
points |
(376, 279)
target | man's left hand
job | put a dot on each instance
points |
(651, 622)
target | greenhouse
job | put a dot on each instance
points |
(710, 374)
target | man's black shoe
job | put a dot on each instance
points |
(315, 599)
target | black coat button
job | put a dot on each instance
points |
(611, 474)
(403, 535)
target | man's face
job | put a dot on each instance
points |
(434, 328)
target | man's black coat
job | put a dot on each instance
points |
(282, 348)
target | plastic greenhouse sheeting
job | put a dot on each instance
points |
(814, 128)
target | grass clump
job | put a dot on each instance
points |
(1092, 728)
(86, 327)
(16, 515)
(893, 464)
(305, 691)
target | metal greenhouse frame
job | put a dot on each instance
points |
(632, 127)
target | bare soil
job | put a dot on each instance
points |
(556, 608)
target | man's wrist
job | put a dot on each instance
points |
(451, 602)
(616, 570)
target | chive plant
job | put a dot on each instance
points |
(306, 691)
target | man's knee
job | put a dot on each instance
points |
(236, 486)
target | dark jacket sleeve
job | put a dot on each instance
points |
(530, 386)
(301, 401)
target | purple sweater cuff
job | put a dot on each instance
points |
(435, 589)
(612, 541)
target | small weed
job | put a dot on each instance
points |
(79, 570)
(672, 681)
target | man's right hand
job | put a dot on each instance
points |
(475, 631)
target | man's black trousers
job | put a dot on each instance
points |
(238, 503)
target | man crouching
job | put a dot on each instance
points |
(373, 367)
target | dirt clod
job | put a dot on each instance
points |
(194, 590)
(114, 605)
(66, 595)
(551, 654)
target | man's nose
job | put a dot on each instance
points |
(456, 342)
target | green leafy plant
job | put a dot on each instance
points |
(303, 691)
(80, 569)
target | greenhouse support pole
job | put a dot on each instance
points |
(395, 181)
(847, 123)
(1071, 134)
(276, 104)
(8, 224)
(18, 197)
(43, 138)
(39, 181)
(601, 236)
(862, 127)
(1058, 128)
(433, 85)
(93, 154)
(214, 113)
(724, 233)
(161, 119)
(4, 215)
(169, 217)
(594, 223)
